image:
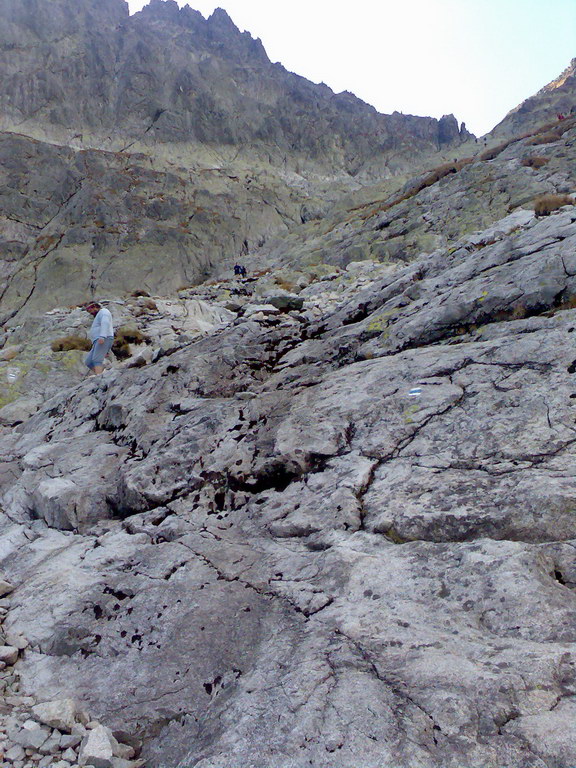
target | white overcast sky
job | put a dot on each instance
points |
(475, 58)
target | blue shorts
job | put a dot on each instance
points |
(98, 352)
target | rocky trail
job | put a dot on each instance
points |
(337, 535)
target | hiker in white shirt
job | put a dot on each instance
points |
(101, 335)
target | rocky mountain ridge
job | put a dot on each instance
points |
(91, 73)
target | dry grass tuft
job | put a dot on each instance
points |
(535, 161)
(545, 138)
(543, 206)
(66, 343)
(493, 152)
(124, 337)
(127, 335)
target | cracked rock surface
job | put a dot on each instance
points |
(343, 539)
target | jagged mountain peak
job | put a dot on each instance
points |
(222, 18)
(558, 82)
(215, 86)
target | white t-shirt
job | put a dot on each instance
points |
(102, 326)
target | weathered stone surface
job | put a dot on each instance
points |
(60, 713)
(16, 413)
(32, 737)
(286, 302)
(344, 561)
(264, 309)
(15, 753)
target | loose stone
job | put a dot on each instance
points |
(8, 654)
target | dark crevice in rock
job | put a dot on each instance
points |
(275, 475)
(262, 592)
(502, 721)
(559, 577)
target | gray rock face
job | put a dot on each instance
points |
(335, 530)
(103, 224)
(370, 560)
(394, 223)
(168, 75)
(97, 750)
(59, 714)
(8, 654)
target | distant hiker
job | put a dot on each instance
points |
(101, 335)
(239, 270)
(560, 116)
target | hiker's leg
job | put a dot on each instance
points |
(97, 354)
(89, 360)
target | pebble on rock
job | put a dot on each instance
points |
(15, 753)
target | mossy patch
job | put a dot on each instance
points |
(12, 390)
(392, 535)
(9, 393)
(412, 410)
(380, 323)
